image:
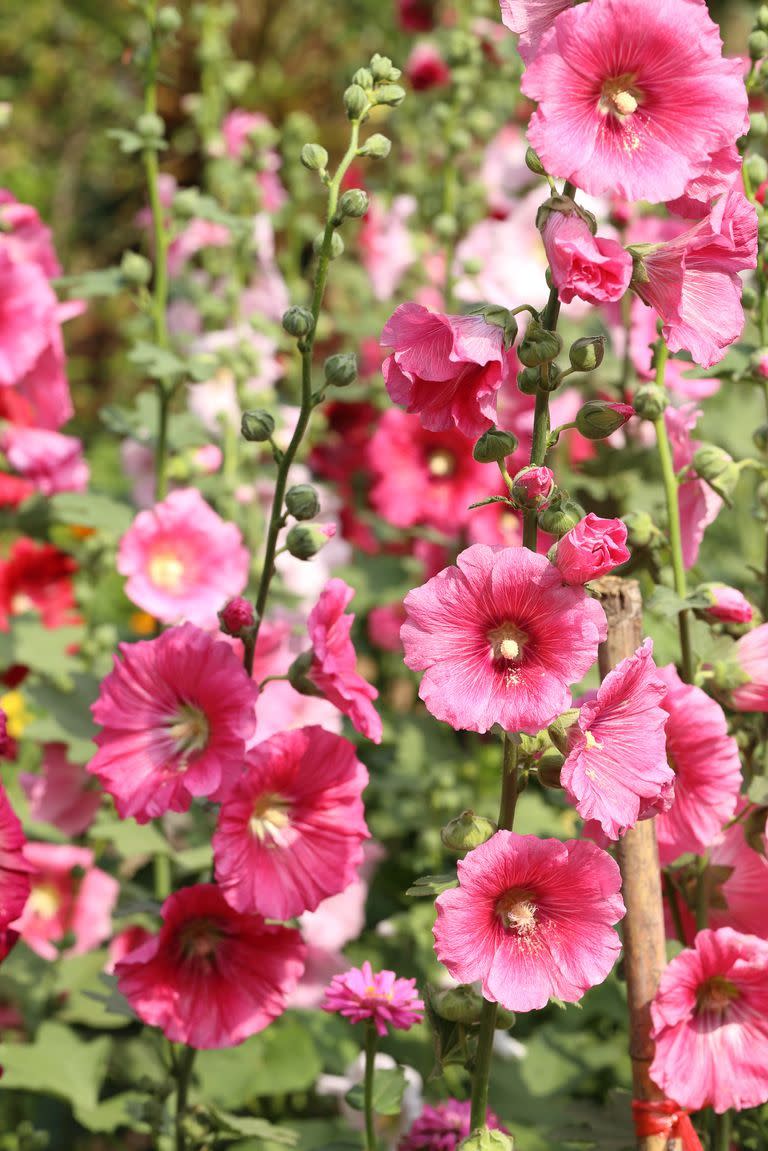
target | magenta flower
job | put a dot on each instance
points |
(291, 832)
(361, 994)
(639, 116)
(532, 919)
(243, 968)
(728, 604)
(591, 549)
(710, 1023)
(752, 660)
(442, 1127)
(533, 487)
(176, 713)
(14, 869)
(69, 897)
(530, 19)
(739, 901)
(426, 68)
(50, 461)
(446, 368)
(616, 771)
(595, 268)
(27, 315)
(500, 639)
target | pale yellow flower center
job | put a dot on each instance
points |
(44, 900)
(441, 464)
(619, 96)
(507, 642)
(166, 570)
(270, 818)
(189, 730)
(517, 911)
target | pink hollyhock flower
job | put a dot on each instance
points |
(62, 794)
(236, 616)
(69, 897)
(705, 761)
(720, 176)
(699, 504)
(635, 115)
(280, 707)
(124, 942)
(386, 244)
(182, 560)
(362, 994)
(176, 713)
(710, 1023)
(739, 900)
(616, 771)
(505, 176)
(595, 268)
(446, 368)
(442, 1127)
(37, 578)
(591, 549)
(333, 667)
(728, 604)
(532, 919)
(25, 236)
(693, 281)
(502, 259)
(384, 623)
(247, 967)
(290, 833)
(196, 237)
(51, 462)
(500, 639)
(533, 487)
(27, 316)
(751, 657)
(44, 386)
(530, 19)
(14, 871)
(238, 127)
(426, 68)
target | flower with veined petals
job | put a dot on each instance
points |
(500, 639)
(65, 901)
(443, 1126)
(361, 994)
(530, 19)
(591, 549)
(176, 713)
(594, 268)
(752, 659)
(727, 604)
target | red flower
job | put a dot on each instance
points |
(37, 577)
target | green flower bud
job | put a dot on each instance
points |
(150, 126)
(533, 163)
(587, 353)
(650, 401)
(757, 44)
(363, 77)
(381, 67)
(305, 540)
(340, 370)
(748, 298)
(539, 346)
(314, 157)
(376, 147)
(186, 203)
(487, 1140)
(298, 321)
(548, 769)
(760, 438)
(460, 1004)
(302, 501)
(641, 530)
(762, 17)
(257, 426)
(600, 418)
(756, 166)
(392, 95)
(494, 446)
(561, 515)
(467, 831)
(135, 269)
(445, 226)
(713, 465)
(355, 102)
(553, 378)
(337, 245)
(754, 829)
(354, 203)
(298, 675)
(758, 125)
(168, 20)
(528, 381)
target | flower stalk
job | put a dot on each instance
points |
(182, 1068)
(371, 1043)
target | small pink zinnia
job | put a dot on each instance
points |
(291, 832)
(182, 560)
(442, 1127)
(595, 268)
(706, 765)
(616, 771)
(211, 976)
(710, 1023)
(176, 713)
(500, 640)
(62, 794)
(361, 994)
(591, 549)
(635, 115)
(333, 670)
(532, 919)
(446, 368)
(752, 659)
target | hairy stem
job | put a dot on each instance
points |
(371, 1043)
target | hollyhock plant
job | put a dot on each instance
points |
(290, 834)
(241, 967)
(62, 793)
(14, 867)
(181, 560)
(635, 116)
(616, 770)
(175, 714)
(727, 604)
(595, 268)
(500, 639)
(751, 658)
(50, 461)
(710, 1023)
(362, 994)
(720, 176)
(37, 577)
(445, 368)
(442, 1127)
(25, 237)
(69, 897)
(740, 874)
(706, 765)
(280, 707)
(532, 919)
(591, 549)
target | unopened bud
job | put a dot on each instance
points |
(135, 269)
(533, 163)
(532, 488)
(528, 381)
(298, 321)
(641, 530)
(305, 540)
(561, 515)
(539, 346)
(382, 67)
(392, 95)
(302, 502)
(762, 17)
(236, 616)
(748, 297)
(340, 370)
(257, 426)
(494, 446)
(756, 166)
(186, 203)
(760, 438)
(150, 126)
(548, 769)
(755, 829)
(168, 20)
(376, 147)
(445, 226)
(713, 465)
(354, 203)
(757, 44)
(600, 418)
(758, 125)
(460, 1004)
(587, 353)
(298, 675)
(337, 245)
(314, 157)
(650, 402)
(467, 831)
(487, 1140)
(355, 101)
(363, 77)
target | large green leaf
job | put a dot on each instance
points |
(280, 1060)
(91, 510)
(388, 1088)
(57, 1063)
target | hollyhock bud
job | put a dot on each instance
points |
(598, 419)
(494, 446)
(340, 370)
(298, 321)
(758, 125)
(595, 268)
(641, 530)
(726, 604)
(302, 501)
(561, 515)
(305, 540)
(756, 168)
(363, 77)
(539, 346)
(760, 438)
(257, 426)
(467, 831)
(533, 163)
(532, 488)
(591, 549)
(236, 616)
(757, 44)
(718, 469)
(382, 68)
(355, 101)
(755, 829)
(135, 269)
(168, 20)
(762, 17)
(487, 1140)
(650, 402)
(460, 1004)
(337, 245)
(314, 157)
(587, 353)
(376, 147)
(354, 203)
(391, 95)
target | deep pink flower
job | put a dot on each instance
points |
(752, 659)
(635, 115)
(699, 504)
(27, 316)
(705, 760)
(530, 19)
(446, 368)
(37, 577)
(176, 713)
(426, 68)
(417, 15)
(62, 794)
(386, 244)
(384, 623)
(123, 942)
(236, 615)
(532, 919)
(362, 994)
(591, 549)
(280, 707)
(49, 460)
(595, 268)
(69, 896)
(44, 386)
(290, 834)
(499, 639)
(710, 1023)
(442, 1127)
(14, 868)
(182, 560)
(533, 487)
(206, 955)
(728, 604)
(25, 236)
(616, 771)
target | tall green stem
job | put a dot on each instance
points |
(183, 1072)
(540, 443)
(371, 1043)
(483, 1065)
(722, 1135)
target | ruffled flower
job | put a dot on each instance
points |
(595, 268)
(591, 549)
(442, 1127)
(362, 994)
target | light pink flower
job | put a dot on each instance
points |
(699, 504)
(532, 919)
(728, 604)
(500, 639)
(44, 386)
(237, 128)
(505, 176)
(595, 268)
(739, 900)
(635, 115)
(175, 713)
(386, 244)
(25, 236)
(69, 896)
(384, 623)
(238, 967)
(705, 760)
(14, 872)
(361, 994)
(442, 1127)
(27, 316)
(49, 460)
(446, 368)
(752, 658)
(591, 549)
(195, 237)
(616, 771)
(333, 669)
(720, 176)
(62, 794)
(530, 19)
(182, 560)
(502, 260)
(290, 834)
(710, 1023)
(280, 707)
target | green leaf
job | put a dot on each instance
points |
(91, 510)
(388, 1088)
(758, 790)
(432, 885)
(252, 1125)
(64, 716)
(124, 1110)
(280, 1060)
(80, 984)
(57, 1063)
(158, 363)
(44, 649)
(86, 285)
(129, 838)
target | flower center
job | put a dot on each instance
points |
(271, 816)
(21, 602)
(189, 730)
(716, 994)
(166, 570)
(200, 939)
(507, 642)
(517, 912)
(619, 96)
(441, 464)
(45, 900)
